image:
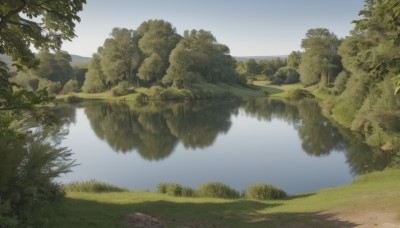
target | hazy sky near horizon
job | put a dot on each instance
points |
(247, 27)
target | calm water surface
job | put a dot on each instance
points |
(237, 142)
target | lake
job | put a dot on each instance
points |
(289, 144)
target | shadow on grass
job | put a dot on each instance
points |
(238, 213)
(311, 219)
(85, 213)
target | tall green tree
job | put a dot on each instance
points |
(294, 59)
(152, 68)
(95, 79)
(319, 62)
(199, 56)
(54, 67)
(371, 56)
(179, 71)
(157, 39)
(252, 68)
(157, 36)
(52, 73)
(47, 69)
(267, 67)
(65, 70)
(79, 74)
(119, 56)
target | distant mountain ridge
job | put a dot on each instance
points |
(258, 58)
(79, 60)
(76, 60)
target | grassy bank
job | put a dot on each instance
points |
(198, 91)
(378, 192)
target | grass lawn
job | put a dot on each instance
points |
(276, 90)
(377, 193)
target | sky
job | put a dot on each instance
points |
(247, 27)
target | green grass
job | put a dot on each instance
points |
(275, 90)
(219, 90)
(378, 191)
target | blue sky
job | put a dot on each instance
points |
(247, 27)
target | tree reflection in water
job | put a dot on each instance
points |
(155, 129)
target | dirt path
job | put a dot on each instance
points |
(366, 218)
(344, 218)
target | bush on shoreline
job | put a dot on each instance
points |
(220, 190)
(264, 192)
(92, 186)
(217, 190)
(298, 94)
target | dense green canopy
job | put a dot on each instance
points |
(155, 54)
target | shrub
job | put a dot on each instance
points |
(70, 87)
(264, 192)
(162, 188)
(121, 89)
(300, 94)
(276, 81)
(29, 164)
(188, 192)
(241, 80)
(286, 75)
(174, 189)
(217, 190)
(292, 77)
(92, 186)
(51, 87)
(395, 163)
(159, 93)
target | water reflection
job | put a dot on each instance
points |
(155, 129)
(320, 136)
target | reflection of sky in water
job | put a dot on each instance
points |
(252, 151)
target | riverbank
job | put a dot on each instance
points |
(199, 91)
(371, 200)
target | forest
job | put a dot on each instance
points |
(356, 80)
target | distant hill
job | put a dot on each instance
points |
(79, 60)
(258, 58)
(76, 60)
